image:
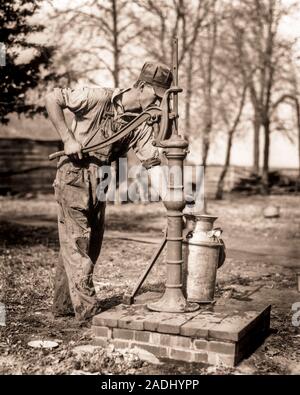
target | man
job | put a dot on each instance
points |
(98, 113)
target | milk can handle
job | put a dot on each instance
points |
(215, 233)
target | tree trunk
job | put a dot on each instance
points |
(256, 145)
(116, 70)
(298, 126)
(297, 106)
(265, 173)
(189, 92)
(205, 149)
(206, 132)
(220, 187)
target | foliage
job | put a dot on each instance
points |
(17, 76)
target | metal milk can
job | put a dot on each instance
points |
(204, 253)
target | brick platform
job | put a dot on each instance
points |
(214, 335)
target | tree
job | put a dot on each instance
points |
(18, 77)
(99, 38)
(230, 99)
(161, 22)
(262, 55)
(231, 123)
(200, 20)
(293, 100)
(208, 46)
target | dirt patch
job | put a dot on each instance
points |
(261, 265)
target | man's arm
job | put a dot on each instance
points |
(55, 106)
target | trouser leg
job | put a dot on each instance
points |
(75, 240)
(97, 215)
(73, 192)
(97, 231)
(62, 303)
(81, 227)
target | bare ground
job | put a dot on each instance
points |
(262, 262)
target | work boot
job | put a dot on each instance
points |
(57, 314)
(63, 311)
(88, 316)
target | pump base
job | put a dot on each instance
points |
(213, 335)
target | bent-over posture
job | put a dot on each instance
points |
(98, 113)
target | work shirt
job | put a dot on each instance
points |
(91, 125)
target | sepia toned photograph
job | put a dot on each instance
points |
(150, 190)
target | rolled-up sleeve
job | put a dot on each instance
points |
(57, 96)
(75, 100)
(142, 145)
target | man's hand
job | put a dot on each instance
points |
(73, 147)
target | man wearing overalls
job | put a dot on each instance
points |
(97, 115)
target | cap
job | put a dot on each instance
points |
(158, 75)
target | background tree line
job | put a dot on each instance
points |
(237, 69)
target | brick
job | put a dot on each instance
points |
(170, 340)
(102, 331)
(153, 320)
(235, 326)
(221, 359)
(176, 341)
(200, 357)
(160, 339)
(165, 340)
(199, 326)
(230, 328)
(181, 355)
(100, 341)
(108, 318)
(123, 334)
(158, 351)
(132, 322)
(120, 343)
(155, 337)
(173, 324)
(200, 344)
(142, 336)
(222, 347)
(252, 340)
(191, 337)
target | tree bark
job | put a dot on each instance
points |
(189, 92)
(220, 187)
(116, 69)
(205, 146)
(256, 142)
(265, 172)
(298, 126)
